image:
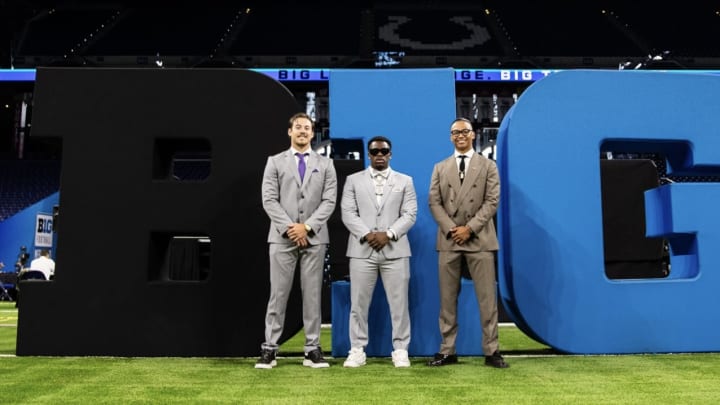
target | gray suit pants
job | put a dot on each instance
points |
(395, 274)
(283, 258)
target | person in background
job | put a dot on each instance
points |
(464, 196)
(299, 193)
(379, 207)
(45, 264)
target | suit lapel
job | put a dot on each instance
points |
(310, 165)
(369, 184)
(292, 166)
(387, 188)
(471, 174)
(451, 169)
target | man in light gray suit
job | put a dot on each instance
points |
(299, 192)
(464, 196)
(379, 207)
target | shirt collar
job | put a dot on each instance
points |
(294, 151)
(385, 173)
(468, 153)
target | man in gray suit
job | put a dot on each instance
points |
(379, 207)
(464, 196)
(299, 192)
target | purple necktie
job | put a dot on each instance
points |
(301, 165)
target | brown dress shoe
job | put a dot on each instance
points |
(442, 360)
(496, 360)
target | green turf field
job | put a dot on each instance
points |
(536, 376)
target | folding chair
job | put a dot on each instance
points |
(4, 295)
(10, 279)
(31, 275)
(28, 275)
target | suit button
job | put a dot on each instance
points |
(302, 196)
(301, 211)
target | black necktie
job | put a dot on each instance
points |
(462, 168)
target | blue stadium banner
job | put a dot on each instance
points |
(414, 108)
(43, 230)
(17, 75)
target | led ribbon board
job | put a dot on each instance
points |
(315, 74)
(551, 271)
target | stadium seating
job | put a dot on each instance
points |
(25, 182)
(249, 34)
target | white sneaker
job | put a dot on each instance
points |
(356, 358)
(400, 358)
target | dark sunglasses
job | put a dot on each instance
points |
(382, 151)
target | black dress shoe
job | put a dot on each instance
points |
(496, 360)
(442, 360)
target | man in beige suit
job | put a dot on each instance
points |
(299, 192)
(464, 196)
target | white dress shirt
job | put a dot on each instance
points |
(44, 264)
(468, 155)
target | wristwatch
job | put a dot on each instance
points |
(308, 228)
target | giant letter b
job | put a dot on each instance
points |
(120, 206)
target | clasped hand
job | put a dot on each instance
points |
(298, 234)
(377, 240)
(460, 234)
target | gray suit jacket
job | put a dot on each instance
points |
(473, 203)
(287, 200)
(362, 214)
